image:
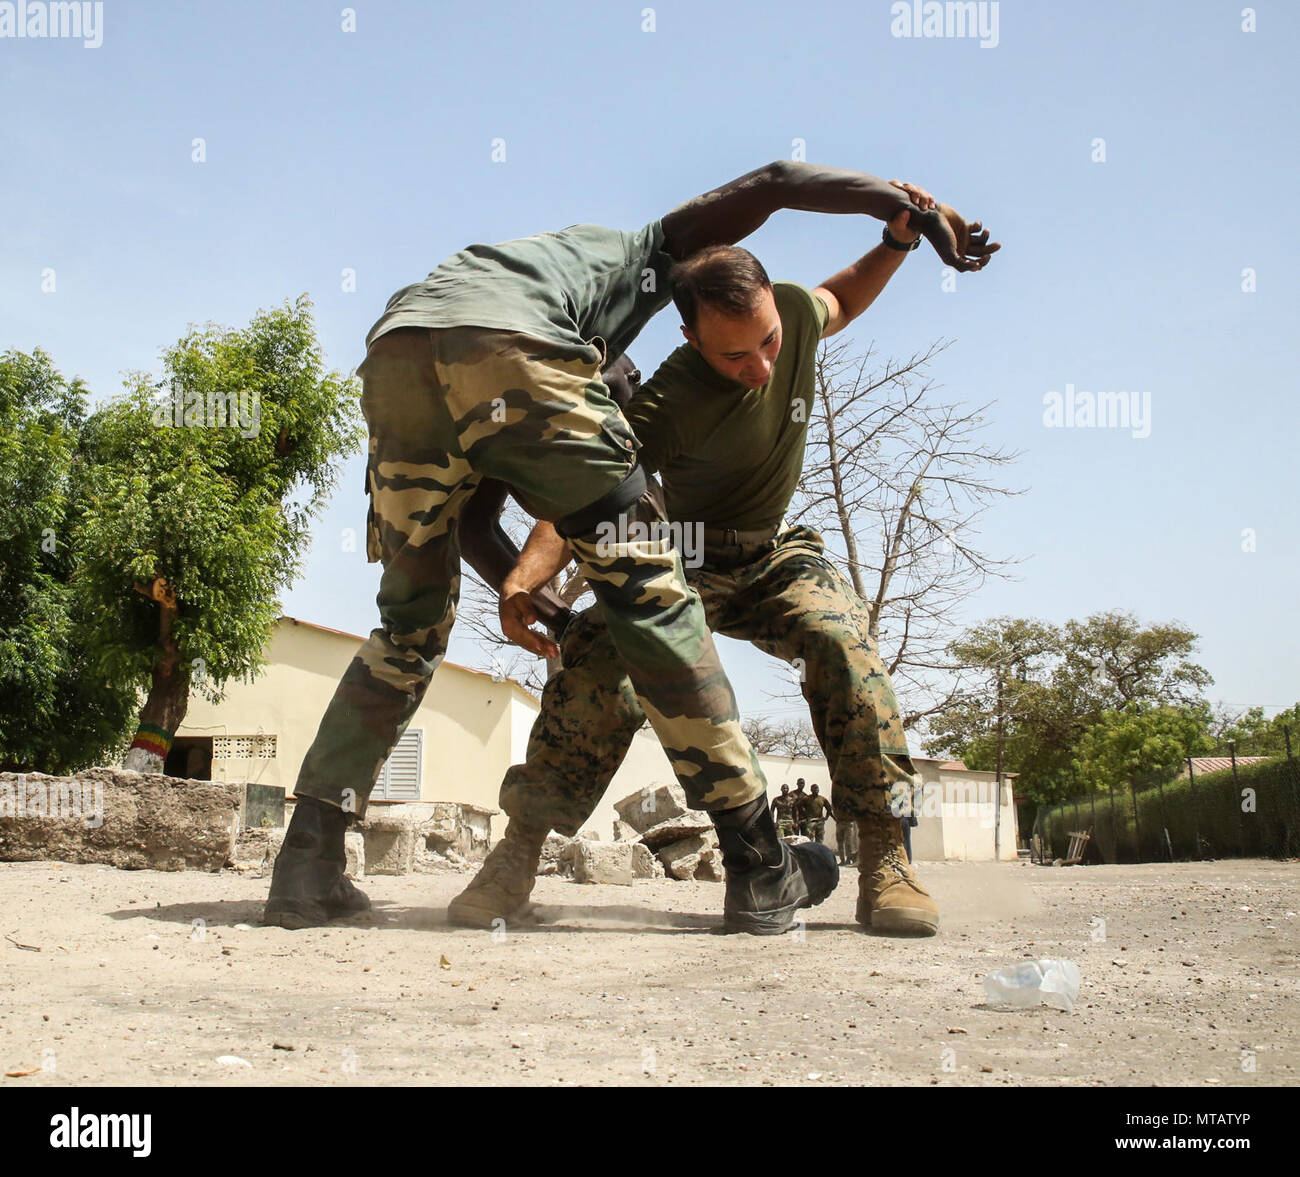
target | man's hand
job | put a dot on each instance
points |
(961, 244)
(518, 615)
(899, 228)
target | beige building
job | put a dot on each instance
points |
(468, 730)
(471, 727)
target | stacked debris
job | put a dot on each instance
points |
(656, 835)
(682, 839)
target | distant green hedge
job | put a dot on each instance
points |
(1208, 809)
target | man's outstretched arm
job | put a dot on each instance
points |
(849, 293)
(734, 211)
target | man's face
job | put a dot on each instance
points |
(739, 347)
(784, 790)
(622, 379)
(814, 790)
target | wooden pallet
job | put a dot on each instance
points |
(1079, 840)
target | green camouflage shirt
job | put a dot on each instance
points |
(571, 287)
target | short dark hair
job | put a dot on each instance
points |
(725, 277)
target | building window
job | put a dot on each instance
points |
(190, 758)
(258, 747)
(399, 779)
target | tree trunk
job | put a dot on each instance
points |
(169, 695)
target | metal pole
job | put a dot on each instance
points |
(997, 801)
(1236, 788)
(1196, 813)
(1137, 832)
(1286, 735)
(1114, 827)
(1164, 819)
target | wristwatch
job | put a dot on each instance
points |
(893, 242)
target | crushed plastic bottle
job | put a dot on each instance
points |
(1028, 983)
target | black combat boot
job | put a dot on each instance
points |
(768, 881)
(308, 887)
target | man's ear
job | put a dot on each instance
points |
(690, 337)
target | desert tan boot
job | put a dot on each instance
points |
(501, 888)
(890, 896)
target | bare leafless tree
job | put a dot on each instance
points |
(896, 479)
(782, 737)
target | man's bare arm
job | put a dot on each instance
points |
(734, 211)
(493, 555)
(545, 555)
(849, 293)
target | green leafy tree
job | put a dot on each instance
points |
(56, 714)
(1256, 736)
(1139, 744)
(1057, 682)
(198, 499)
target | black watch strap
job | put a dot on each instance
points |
(893, 242)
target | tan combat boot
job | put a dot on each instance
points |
(501, 888)
(890, 897)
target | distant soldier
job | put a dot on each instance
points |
(783, 813)
(846, 837)
(816, 810)
(800, 799)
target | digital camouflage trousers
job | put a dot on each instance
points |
(789, 601)
(445, 409)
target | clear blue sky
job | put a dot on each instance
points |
(372, 150)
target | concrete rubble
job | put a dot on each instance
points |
(131, 820)
(656, 835)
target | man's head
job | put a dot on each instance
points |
(784, 790)
(622, 379)
(814, 790)
(728, 312)
(799, 785)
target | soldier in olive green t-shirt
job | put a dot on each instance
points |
(816, 809)
(726, 428)
(724, 422)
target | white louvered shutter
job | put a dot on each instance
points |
(399, 780)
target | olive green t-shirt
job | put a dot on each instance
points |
(582, 283)
(731, 456)
(816, 808)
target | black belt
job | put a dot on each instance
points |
(729, 537)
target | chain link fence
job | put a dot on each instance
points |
(1249, 809)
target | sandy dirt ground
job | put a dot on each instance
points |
(1190, 977)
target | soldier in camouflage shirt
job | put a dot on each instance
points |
(724, 422)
